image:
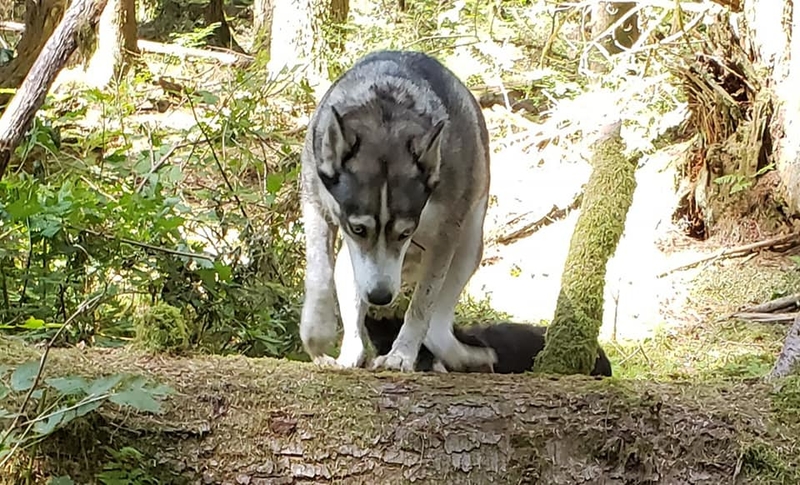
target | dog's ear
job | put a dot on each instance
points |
(429, 154)
(335, 147)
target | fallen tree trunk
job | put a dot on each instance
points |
(259, 421)
(19, 113)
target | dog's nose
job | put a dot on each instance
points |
(379, 296)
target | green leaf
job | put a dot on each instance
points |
(50, 424)
(68, 386)
(223, 270)
(62, 480)
(87, 408)
(137, 398)
(33, 324)
(6, 414)
(3, 391)
(104, 384)
(207, 97)
(22, 378)
(274, 182)
(21, 209)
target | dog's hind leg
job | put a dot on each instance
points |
(352, 309)
(318, 317)
(440, 338)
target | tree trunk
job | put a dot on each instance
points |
(770, 25)
(571, 345)
(116, 42)
(262, 24)
(41, 19)
(298, 37)
(620, 38)
(264, 421)
(222, 36)
(789, 359)
(53, 56)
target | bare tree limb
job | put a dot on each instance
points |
(80, 15)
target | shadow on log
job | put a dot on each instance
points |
(260, 421)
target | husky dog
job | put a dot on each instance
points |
(516, 345)
(397, 157)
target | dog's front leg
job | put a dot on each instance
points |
(352, 309)
(406, 346)
(318, 318)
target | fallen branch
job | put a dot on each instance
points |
(12, 27)
(239, 420)
(789, 358)
(29, 97)
(784, 303)
(781, 243)
(227, 57)
(766, 317)
(555, 214)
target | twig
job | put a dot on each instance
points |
(555, 214)
(81, 308)
(791, 240)
(775, 305)
(216, 159)
(766, 317)
(149, 246)
(161, 162)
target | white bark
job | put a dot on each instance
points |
(789, 358)
(292, 42)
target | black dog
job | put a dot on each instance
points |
(516, 344)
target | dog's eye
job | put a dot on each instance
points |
(405, 234)
(358, 229)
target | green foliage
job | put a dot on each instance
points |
(126, 468)
(738, 182)
(62, 400)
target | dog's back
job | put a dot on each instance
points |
(516, 344)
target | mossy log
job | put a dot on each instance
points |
(572, 336)
(258, 421)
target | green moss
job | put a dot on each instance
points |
(786, 401)
(161, 328)
(761, 463)
(572, 337)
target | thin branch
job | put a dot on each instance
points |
(150, 246)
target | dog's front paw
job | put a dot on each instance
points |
(352, 355)
(394, 361)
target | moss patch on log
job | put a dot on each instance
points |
(572, 337)
(241, 420)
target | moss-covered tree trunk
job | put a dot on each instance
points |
(262, 24)
(116, 43)
(41, 19)
(572, 336)
(263, 421)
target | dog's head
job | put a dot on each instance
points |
(379, 164)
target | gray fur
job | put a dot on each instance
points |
(397, 151)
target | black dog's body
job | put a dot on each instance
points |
(516, 344)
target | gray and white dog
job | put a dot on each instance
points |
(397, 157)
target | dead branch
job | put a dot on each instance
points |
(766, 317)
(223, 56)
(55, 53)
(779, 243)
(784, 303)
(529, 227)
(12, 27)
(789, 357)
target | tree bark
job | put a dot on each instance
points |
(41, 19)
(116, 42)
(262, 23)
(298, 37)
(789, 359)
(571, 344)
(58, 48)
(264, 421)
(620, 38)
(222, 36)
